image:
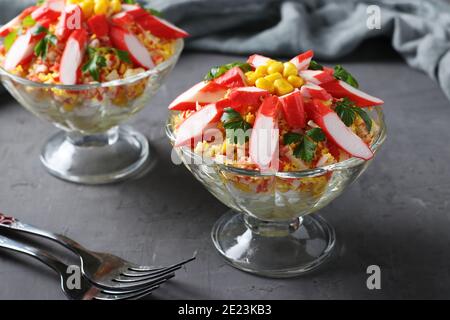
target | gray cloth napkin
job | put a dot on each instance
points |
(419, 29)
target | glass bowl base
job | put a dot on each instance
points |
(273, 253)
(104, 158)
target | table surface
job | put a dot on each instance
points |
(397, 215)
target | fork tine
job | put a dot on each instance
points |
(131, 273)
(125, 279)
(148, 270)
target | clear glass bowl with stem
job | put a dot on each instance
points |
(269, 230)
(92, 148)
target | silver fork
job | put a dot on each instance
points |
(105, 270)
(85, 290)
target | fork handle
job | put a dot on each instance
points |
(38, 254)
(12, 223)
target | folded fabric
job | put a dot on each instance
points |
(419, 29)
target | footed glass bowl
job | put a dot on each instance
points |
(92, 148)
(269, 230)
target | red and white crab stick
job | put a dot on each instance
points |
(72, 57)
(341, 89)
(337, 131)
(265, 136)
(202, 93)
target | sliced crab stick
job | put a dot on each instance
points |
(160, 27)
(247, 96)
(194, 125)
(293, 109)
(337, 131)
(122, 18)
(233, 78)
(134, 10)
(99, 25)
(257, 60)
(303, 60)
(127, 41)
(341, 89)
(70, 20)
(202, 93)
(8, 27)
(265, 136)
(20, 51)
(314, 91)
(316, 76)
(73, 56)
(50, 10)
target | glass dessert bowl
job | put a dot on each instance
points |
(86, 70)
(270, 229)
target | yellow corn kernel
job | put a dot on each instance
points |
(282, 87)
(265, 84)
(101, 6)
(289, 69)
(87, 6)
(116, 6)
(296, 81)
(250, 118)
(261, 71)
(275, 67)
(251, 77)
(274, 76)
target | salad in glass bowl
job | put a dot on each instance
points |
(276, 141)
(86, 66)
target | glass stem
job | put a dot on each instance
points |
(94, 140)
(272, 228)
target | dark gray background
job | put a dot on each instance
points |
(396, 216)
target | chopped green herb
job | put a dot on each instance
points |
(316, 134)
(154, 12)
(347, 111)
(292, 137)
(232, 120)
(313, 65)
(306, 145)
(40, 29)
(216, 72)
(95, 63)
(342, 74)
(128, 1)
(41, 48)
(9, 40)
(28, 22)
(123, 55)
(40, 2)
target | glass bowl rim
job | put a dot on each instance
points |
(179, 45)
(342, 165)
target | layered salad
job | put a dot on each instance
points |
(266, 114)
(73, 42)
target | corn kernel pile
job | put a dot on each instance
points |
(276, 77)
(92, 7)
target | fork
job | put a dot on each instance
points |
(85, 290)
(103, 269)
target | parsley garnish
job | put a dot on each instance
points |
(123, 55)
(40, 2)
(28, 21)
(41, 48)
(342, 74)
(9, 40)
(306, 145)
(216, 72)
(313, 65)
(95, 63)
(129, 1)
(347, 111)
(232, 120)
(154, 12)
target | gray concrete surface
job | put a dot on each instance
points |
(396, 216)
